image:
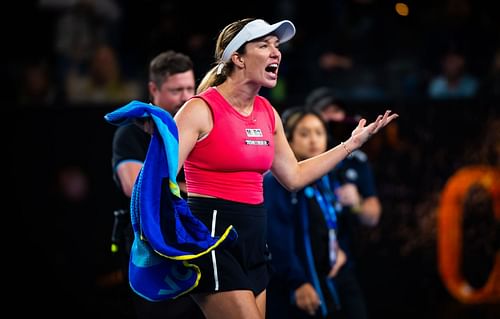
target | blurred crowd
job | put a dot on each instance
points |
(96, 52)
(438, 63)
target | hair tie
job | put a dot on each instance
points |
(220, 66)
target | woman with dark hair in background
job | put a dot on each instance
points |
(303, 230)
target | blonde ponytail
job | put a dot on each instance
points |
(210, 79)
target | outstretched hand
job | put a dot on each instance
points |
(363, 132)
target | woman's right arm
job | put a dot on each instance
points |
(194, 121)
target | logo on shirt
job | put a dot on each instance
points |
(254, 132)
(258, 142)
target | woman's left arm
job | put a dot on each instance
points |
(295, 175)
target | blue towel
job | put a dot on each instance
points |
(166, 234)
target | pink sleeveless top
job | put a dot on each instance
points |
(230, 161)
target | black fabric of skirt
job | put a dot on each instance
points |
(245, 264)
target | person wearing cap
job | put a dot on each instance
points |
(229, 136)
(356, 169)
(323, 100)
(357, 195)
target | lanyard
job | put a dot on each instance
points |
(325, 200)
(329, 194)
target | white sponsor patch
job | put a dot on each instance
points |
(254, 132)
(259, 142)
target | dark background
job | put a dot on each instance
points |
(57, 233)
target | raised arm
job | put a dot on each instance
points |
(295, 175)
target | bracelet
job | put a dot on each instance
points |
(349, 152)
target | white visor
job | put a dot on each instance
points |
(284, 30)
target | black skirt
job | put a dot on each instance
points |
(245, 264)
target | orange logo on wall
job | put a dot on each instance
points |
(450, 239)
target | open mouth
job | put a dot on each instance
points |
(272, 68)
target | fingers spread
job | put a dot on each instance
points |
(386, 119)
(361, 123)
(392, 117)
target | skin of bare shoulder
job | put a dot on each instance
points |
(194, 121)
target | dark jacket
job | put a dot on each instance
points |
(292, 252)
